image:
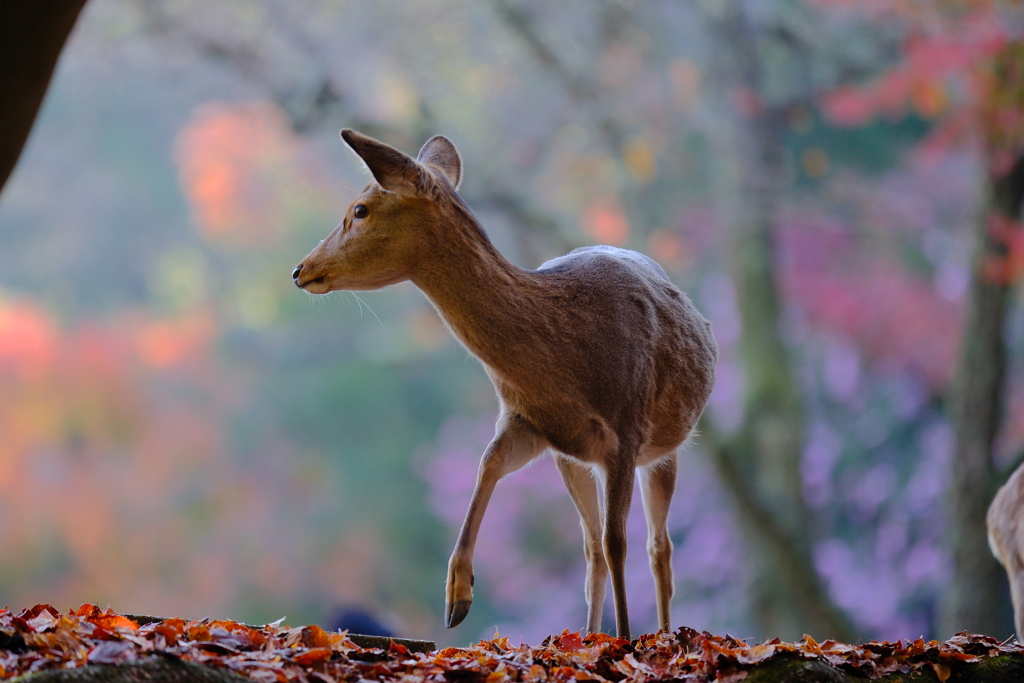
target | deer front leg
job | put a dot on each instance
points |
(657, 484)
(583, 489)
(618, 494)
(515, 443)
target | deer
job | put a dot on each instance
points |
(596, 357)
(1005, 522)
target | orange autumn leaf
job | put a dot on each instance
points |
(112, 622)
(85, 610)
(312, 656)
(570, 642)
(314, 636)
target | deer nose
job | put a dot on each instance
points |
(295, 273)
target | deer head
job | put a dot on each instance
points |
(392, 222)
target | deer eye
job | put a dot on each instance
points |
(360, 211)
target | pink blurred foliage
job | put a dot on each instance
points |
(116, 477)
(698, 224)
(911, 202)
(872, 288)
(716, 299)
(888, 570)
(886, 333)
(867, 295)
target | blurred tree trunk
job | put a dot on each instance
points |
(760, 462)
(32, 35)
(977, 599)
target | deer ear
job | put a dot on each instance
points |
(396, 172)
(440, 155)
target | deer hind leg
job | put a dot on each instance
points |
(657, 484)
(584, 492)
(515, 443)
(618, 494)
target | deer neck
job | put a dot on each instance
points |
(479, 294)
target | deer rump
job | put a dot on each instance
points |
(596, 355)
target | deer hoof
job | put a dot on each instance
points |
(456, 612)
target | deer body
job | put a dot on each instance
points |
(1005, 521)
(596, 355)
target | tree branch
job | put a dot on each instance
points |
(32, 35)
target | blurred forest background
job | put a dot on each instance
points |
(836, 183)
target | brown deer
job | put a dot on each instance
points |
(1005, 522)
(596, 355)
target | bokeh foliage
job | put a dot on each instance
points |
(184, 433)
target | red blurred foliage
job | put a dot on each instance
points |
(943, 73)
(937, 72)
(28, 340)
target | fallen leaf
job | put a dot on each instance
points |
(942, 671)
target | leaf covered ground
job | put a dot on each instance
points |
(41, 639)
